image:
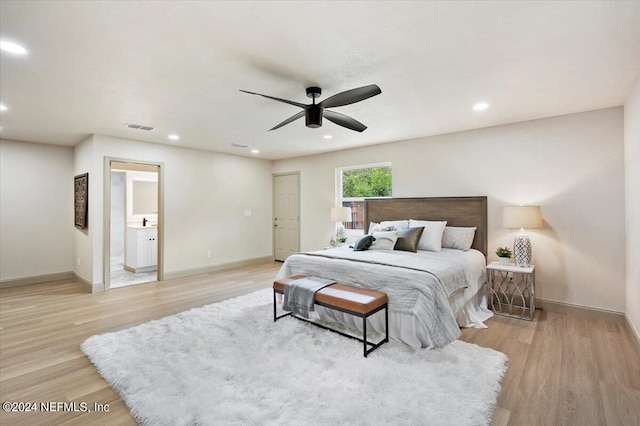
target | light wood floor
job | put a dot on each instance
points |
(563, 369)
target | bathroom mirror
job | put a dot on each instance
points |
(145, 197)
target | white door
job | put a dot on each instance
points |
(286, 216)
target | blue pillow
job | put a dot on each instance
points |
(364, 243)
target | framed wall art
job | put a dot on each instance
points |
(81, 200)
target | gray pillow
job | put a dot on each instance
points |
(364, 243)
(408, 239)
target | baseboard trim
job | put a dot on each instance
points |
(633, 331)
(94, 288)
(219, 267)
(36, 279)
(585, 311)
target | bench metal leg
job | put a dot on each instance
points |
(364, 334)
(364, 329)
(275, 317)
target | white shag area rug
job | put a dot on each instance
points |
(229, 363)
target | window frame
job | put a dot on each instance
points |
(338, 189)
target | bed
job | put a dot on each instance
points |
(431, 294)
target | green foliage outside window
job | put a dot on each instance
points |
(370, 182)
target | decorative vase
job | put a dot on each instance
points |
(504, 261)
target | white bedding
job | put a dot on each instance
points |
(430, 294)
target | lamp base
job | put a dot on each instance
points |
(522, 250)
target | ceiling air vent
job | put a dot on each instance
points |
(138, 126)
(240, 145)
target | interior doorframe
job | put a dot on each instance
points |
(106, 238)
(273, 209)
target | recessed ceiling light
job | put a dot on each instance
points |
(255, 151)
(327, 136)
(7, 46)
(480, 106)
(3, 107)
(174, 137)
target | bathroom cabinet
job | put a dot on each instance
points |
(142, 249)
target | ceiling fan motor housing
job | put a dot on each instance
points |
(314, 92)
(314, 116)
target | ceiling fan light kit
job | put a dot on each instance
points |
(314, 113)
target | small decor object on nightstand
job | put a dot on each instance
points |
(522, 217)
(504, 253)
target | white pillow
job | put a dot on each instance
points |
(458, 238)
(431, 238)
(398, 224)
(376, 227)
(384, 240)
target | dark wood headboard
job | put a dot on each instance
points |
(457, 211)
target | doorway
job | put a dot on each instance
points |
(134, 227)
(286, 215)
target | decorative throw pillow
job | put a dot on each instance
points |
(459, 238)
(384, 240)
(397, 224)
(408, 239)
(376, 227)
(364, 243)
(431, 239)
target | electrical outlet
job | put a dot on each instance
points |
(78, 261)
(208, 254)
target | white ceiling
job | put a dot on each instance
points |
(177, 65)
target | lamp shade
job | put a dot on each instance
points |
(341, 214)
(522, 217)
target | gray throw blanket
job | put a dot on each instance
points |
(299, 295)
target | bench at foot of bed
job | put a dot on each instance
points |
(344, 298)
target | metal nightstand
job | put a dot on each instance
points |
(511, 290)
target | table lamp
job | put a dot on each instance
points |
(522, 217)
(339, 215)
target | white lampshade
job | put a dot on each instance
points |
(341, 214)
(527, 217)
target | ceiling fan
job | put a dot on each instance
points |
(313, 113)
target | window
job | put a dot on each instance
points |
(354, 184)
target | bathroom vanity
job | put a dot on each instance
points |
(141, 253)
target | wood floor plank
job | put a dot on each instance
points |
(579, 402)
(620, 404)
(562, 369)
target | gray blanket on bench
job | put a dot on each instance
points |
(300, 294)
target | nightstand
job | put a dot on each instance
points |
(511, 290)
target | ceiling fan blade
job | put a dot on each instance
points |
(303, 106)
(344, 121)
(351, 96)
(289, 120)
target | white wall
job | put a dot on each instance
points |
(570, 165)
(632, 198)
(205, 197)
(83, 245)
(36, 209)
